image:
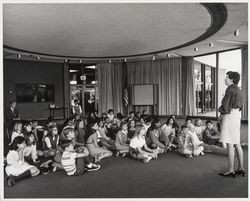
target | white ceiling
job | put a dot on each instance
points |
(117, 30)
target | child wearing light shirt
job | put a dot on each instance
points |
(138, 147)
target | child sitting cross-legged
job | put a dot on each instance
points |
(186, 144)
(76, 163)
(138, 147)
(17, 169)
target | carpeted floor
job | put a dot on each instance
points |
(170, 176)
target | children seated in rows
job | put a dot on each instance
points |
(121, 142)
(17, 169)
(76, 163)
(138, 147)
(94, 149)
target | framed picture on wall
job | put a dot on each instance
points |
(35, 93)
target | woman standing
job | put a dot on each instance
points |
(230, 110)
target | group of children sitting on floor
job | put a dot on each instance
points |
(82, 144)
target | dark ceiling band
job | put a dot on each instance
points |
(218, 14)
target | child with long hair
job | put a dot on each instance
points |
(80, 132)
(138, 147)
(17, 169)
(17, 130)
(106, 141)
(51, 147)
(131, 129)
(168, 135)
(154, 137)
(94, 149)
(30, 151)
(121, 142)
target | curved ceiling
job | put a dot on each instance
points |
(104, 30)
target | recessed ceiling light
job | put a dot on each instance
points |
(211, 44)
(236, 33)
(73, 71)
(91, 67)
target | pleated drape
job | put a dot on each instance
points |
(188, 95)
(244, 88)
(166, 73)
(174, 77)
(109, 87)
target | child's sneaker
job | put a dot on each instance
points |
(189, 155)
(146, 160)
(46, 163)
(92, 167)
(44, 170)
(117, 154)
(123, 155)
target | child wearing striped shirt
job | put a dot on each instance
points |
(75, 163)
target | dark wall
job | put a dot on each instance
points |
(31, 72)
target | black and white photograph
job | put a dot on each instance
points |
(124, 100)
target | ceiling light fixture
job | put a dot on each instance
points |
(125, 60)
(210, 44)
(236, 33)
(196, 49)
(19, 56)
(80, 61)
(65, 60)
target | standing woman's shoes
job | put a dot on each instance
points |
(240, 172)
(230, 174)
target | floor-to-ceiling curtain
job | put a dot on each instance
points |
(167, 74)
(109, 87)
(244, 75)
(188, 95)
(140, 72)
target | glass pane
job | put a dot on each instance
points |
(205, 91)
(208, 59)
(198, 87)
(85, 95)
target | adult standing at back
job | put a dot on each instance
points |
(230, 110)
(11, 114)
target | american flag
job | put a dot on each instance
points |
(125, 96)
